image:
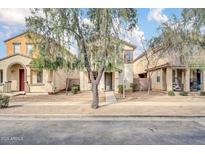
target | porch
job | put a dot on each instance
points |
(20, 79)
(186, 79)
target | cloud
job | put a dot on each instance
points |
(157, 15)
(135, 37)
(9, 31)
(13, 16)
(12, 22)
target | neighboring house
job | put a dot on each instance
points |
(16, 73)
(111, 80)
(170, 75)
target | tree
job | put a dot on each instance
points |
(152, 56)
(96, 32)
(183, 39)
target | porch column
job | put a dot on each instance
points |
(28, 75)
(5, 75)
(203, 80)
(183, 78)
(187, 80)
(116, 80)
(82, 80)
(28, 79)
(101, 86)
(169, 79)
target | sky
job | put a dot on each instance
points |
(12, 22)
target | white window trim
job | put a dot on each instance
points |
(14, 49)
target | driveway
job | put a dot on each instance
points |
(103, 131)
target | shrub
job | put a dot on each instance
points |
(76, 85)
(4, 101)
(74, 89)
(120, 88)
(183, 93)
(202, 93)
(133, 86)
(171, 93)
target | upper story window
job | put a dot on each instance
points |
(29, 48)
(128, 56)
(16, 47)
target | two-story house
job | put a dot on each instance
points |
(111, 80)
(16, 73)
(169, 74)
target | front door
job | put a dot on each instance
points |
(21, 80)
(108, 81)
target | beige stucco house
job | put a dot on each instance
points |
(168, 74)
(111, 80)
(16, 73)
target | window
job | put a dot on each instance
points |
(40, 77)
(158, 76)
(1, 76)
(16, 48)
(29, 48)
(128, 56)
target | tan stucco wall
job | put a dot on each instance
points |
(11, 66)
(24, 40)
(1, 88)
(128, 75)
(6, 63)
(154, 84)
(140, 65)
(13, 76)
(59, 78)
(84, 84)
(117, 78)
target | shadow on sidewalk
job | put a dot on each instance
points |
(14, 106)
(105, 105)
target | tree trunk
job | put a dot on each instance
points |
(149, 84)
(95, 96)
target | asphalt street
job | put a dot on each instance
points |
(102, 131)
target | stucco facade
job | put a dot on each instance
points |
(111, 80)
(169, 76)
(18, 75)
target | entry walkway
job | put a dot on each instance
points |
(110, 97)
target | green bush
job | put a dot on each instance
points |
(120, 88)
(133, 86)
(74, 89)
(76, 85)
(4, 101)
(183, 93)
(171, 93)
(202, 93)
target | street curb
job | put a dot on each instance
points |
(95, 116)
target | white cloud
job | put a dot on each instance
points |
(135, 37)
(157, 15)
(12, 22)
(13, 16)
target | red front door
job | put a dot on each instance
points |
(21, 80)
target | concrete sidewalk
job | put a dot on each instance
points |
(110, 97)
(66, 109)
